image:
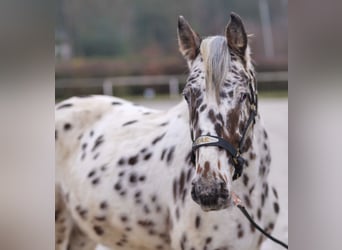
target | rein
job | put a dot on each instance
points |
(238, 160)
(238, 203)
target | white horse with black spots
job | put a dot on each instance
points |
(129, 177)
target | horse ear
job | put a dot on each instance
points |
(188, 40)
(236, 35)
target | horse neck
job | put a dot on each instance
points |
(179, 124)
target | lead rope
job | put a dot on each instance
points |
(238, 203)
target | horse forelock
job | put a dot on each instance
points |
(216, 59)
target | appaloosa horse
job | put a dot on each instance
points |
(132, 178)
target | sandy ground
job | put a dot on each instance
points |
(274, 113)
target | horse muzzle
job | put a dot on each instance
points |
(210, 195)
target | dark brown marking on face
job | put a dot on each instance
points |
(218, 129)
(142, 178)
(195, 118)
(206, 169)
(231, 94)
(199, 102)
(157, 139)
(203, 107)
(252, 155)
(198, 133)
(232, 123)
(211, 116)
(220, 118)
(116, 103)
(223, 95)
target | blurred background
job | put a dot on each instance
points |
(129, 48)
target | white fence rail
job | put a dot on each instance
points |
(173, 81)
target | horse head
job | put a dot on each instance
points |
(221, 97)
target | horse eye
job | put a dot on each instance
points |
(186, 97)
(243, 97)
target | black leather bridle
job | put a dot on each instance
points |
(210, 140)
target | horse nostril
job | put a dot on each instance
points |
(224, 195)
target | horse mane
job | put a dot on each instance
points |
(216, 59)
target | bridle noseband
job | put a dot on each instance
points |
(210, 140)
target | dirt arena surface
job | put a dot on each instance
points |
(274, 113)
